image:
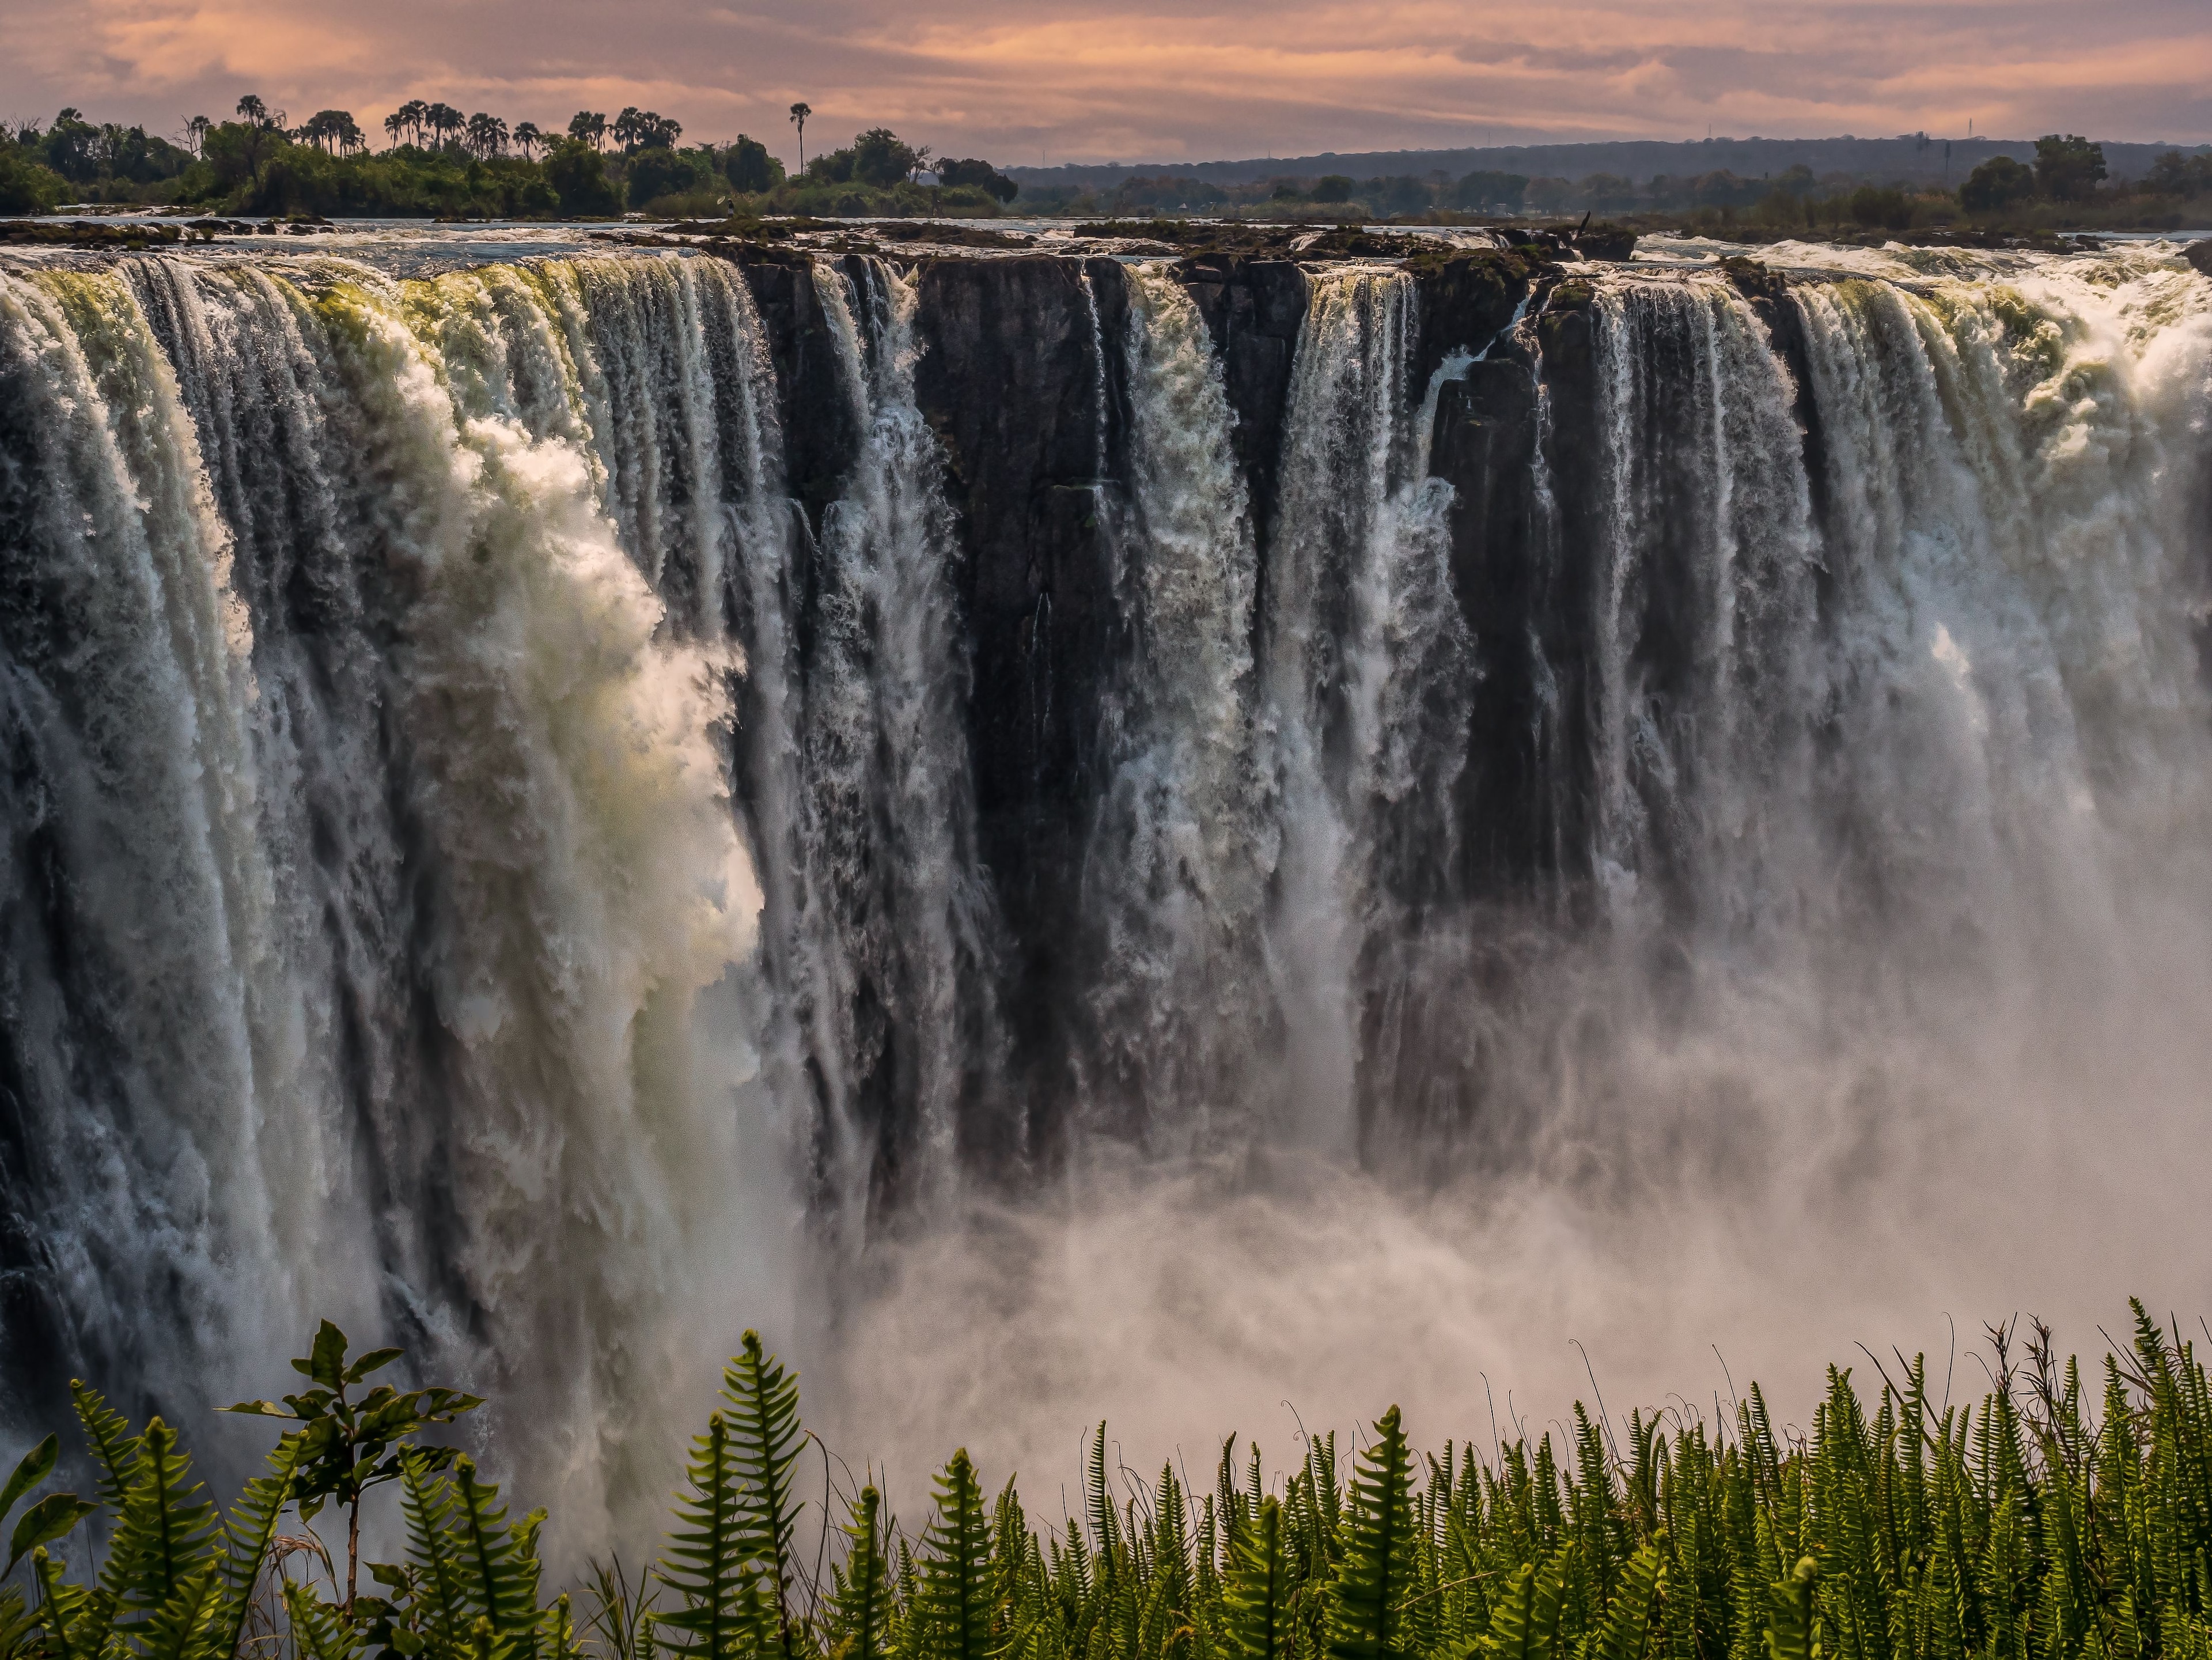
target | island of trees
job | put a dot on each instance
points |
(435, 161)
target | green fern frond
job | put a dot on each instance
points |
(1626, 1628)
(708, 1565)
(114, 1447)
(317, 1630)
(1791, 1633)
(1257, 1601)
(164, 1530)
(956, 1603)
(861, 1617)
(765, 1437)
(441, 1602)
(1378, 1573)
(1524, 1621)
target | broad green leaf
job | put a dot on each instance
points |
(50, 1519)
(37, 1465)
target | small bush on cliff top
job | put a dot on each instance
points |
(2044, 1522)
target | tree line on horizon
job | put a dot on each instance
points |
(2067, 178)
(438, 160)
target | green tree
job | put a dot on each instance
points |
(880, 157)
(27, 185)
(578, 173)
(978, 175)
(1489, 191)
(486, 136)
(751, 168)
(1334, 187)
(1998, 184)
(2068, 169)
(1880, 209)
(587, 127)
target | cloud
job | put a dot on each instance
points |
(1076, 80)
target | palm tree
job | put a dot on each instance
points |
(487, 136)
(586, 128)
(625, 128)
(799, 114)
(528, 138)
(196, 133)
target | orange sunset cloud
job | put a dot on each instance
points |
(1067, 81)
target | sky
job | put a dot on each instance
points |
(1031, 82)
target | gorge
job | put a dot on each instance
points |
(558, 807)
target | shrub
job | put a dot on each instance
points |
(578, 175)
(1999, 182)
(751, 168)
(1880, 209)
(28, 186)
(658, 172)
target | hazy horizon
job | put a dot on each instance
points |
(1055, 82)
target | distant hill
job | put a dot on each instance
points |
(1913, 158)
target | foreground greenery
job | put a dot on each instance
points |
(2036, 1525)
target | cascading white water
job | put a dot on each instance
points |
(1181, 850)
(490, 853)
(1367, 660)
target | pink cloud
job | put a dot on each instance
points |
(1149, 80)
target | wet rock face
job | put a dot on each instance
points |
(820, 435)
(1466, 300)
(2199, 254)
(1254, 309)
(1020, 378)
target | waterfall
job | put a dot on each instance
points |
(499, 762)
(1178, 856)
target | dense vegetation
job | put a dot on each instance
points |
(2036, 1525)
(442, 163)
(2065, 186)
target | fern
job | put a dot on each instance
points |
(860, 1619)
(1627, 1625)
(108, 1433)
(1791, 1633)
(177, 1630)
(1378, 1573)
(164, 1534)
(765, 1437)
(708, 1565)
(955, 1604)
(1257, 1601)
(248, 1532)
(439, 1603)
(1524, 1621)
(498, 1564)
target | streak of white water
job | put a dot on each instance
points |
(1178, 862)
